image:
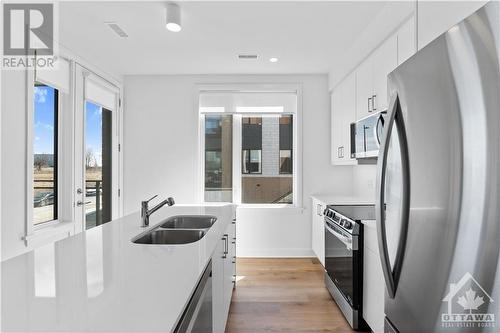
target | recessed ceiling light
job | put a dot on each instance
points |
(173, 17)
(273, 59)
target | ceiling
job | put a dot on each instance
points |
(307, 37)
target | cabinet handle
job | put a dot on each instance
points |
(373, 103)
(341, 150)
(338, 152)
(234, 221)
(369, 102)
(227, 244)
(224, 238)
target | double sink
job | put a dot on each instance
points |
(181, 229)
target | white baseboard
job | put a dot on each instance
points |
(274, 253)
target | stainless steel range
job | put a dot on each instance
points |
(344, 258)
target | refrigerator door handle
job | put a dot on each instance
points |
(391, 275)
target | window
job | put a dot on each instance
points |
(45, 157)
(286, 144)
(285, 161)
(218, 158)
(252, 161)
(257, 141)
(251, 146)
(271, 185)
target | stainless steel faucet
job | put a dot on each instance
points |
(146, 212)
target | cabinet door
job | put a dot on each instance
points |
(406, 40)
(336, 119)
(318, 238)
(349, 115)
(343, 114)
(228, 270)
(219, 318)
(384, 61)
(373, 286)
(364, 88)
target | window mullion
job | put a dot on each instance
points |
(237, 156)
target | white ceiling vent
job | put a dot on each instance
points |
(247, 56)
(116, 28)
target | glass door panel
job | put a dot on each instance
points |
(98, 165)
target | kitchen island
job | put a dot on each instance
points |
(100, 281)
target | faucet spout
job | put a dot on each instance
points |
(146, 212)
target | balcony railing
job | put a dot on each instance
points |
(93, 188)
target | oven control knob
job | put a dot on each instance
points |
(347, 224)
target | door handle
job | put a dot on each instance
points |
(81, 203)
(391, 275)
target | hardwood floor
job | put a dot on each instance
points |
(283, 295)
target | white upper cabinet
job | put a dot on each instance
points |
(364, 91)
(343, 113)
(371, 78)
(364, 88)
(436, 17)
(407, 45)
(385, 60)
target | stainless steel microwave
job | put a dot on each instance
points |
(366, 135)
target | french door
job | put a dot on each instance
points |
(96, 150)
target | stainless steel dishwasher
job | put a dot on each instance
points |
(197, 317)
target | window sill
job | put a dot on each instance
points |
(50, 232)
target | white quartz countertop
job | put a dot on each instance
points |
(99, 281)
(329, 199)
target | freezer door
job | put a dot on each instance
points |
(439, 177)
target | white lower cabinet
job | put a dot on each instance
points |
(223, 277)
(373, 281)
(318, 230)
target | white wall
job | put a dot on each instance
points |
(161, 156)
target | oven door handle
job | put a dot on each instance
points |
(346, 240)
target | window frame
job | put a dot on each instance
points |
(56, 181)
(295, 88)
(67, 223)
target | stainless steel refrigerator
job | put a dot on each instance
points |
(438, 183)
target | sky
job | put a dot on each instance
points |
(44, 120)
(93, 130)
(44, 124)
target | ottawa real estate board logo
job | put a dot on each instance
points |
(29, 35)
(467, 305)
